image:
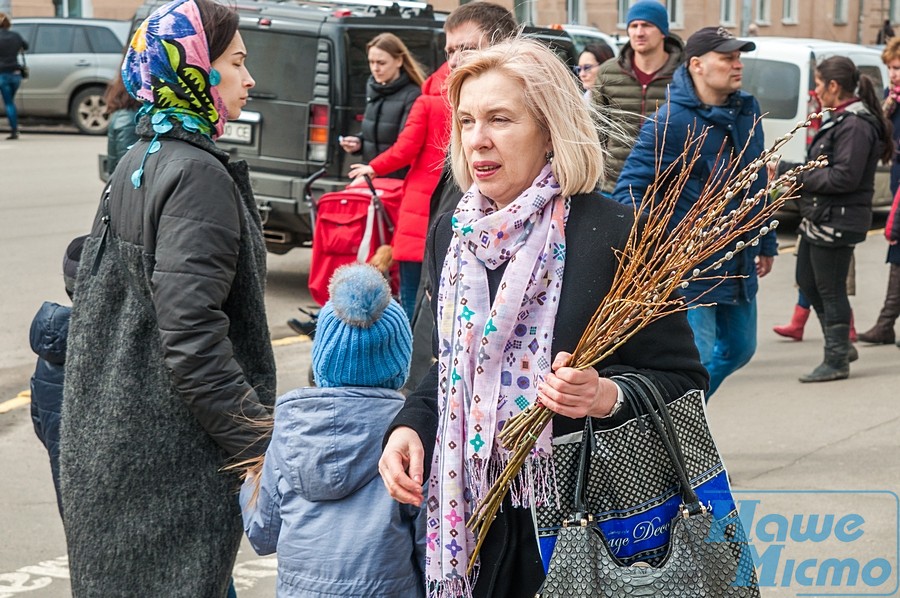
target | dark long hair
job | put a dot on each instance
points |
(220, 23)
(117, 97)
(842, 71)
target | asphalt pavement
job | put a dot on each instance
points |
(815, 467)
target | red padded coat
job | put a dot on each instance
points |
(422, 146)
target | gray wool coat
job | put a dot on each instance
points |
(169, 355)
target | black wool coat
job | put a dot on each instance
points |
(168, 354)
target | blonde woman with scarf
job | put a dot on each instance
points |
(520, 268)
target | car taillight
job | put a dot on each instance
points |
(317, 146)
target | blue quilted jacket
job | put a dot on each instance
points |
(729, 129)
(49, 331)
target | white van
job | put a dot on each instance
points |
(780, 74)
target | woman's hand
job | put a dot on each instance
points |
(401, 466)
(577, 393)
(358, 170)
(351, 144)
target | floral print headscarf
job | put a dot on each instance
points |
(168, 68)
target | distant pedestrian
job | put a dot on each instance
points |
(49, 334)
(885, 34)
(882, 333)
(11, 44)
(421, 146)
(836, 202)
(706, 95)
(634, 85)
(589, 62)
(319, 501)
(392, 88)
(122, 132)
(169, 348)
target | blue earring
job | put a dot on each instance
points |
(214, 77)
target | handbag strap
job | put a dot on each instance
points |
(582, 512)
(662, 420)
(641, 393)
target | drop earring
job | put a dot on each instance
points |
(549, 156)
(214, 77)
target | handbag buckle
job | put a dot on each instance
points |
(579, 520)
(693, 509)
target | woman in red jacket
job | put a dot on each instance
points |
(422, 146)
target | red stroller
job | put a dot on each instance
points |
(349, 226)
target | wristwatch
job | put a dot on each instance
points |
(620, 400)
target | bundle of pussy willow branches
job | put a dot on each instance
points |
(656, 262)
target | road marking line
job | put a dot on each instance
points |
(22, 399)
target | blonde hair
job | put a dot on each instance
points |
(393, 45)
(552, 99)
(891, 50)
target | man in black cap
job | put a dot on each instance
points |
(706, 93)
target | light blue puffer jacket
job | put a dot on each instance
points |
(322, 505)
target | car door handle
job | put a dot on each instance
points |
(82, 63)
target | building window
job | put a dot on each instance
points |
(622, 6)
(840, 12)
(676, 13)
(762, 12)
(894, 11)
(576, 11)
(789, 12)
(726, 13)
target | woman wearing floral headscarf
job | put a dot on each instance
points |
(169, 351)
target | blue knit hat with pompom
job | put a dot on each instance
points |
(362, 335)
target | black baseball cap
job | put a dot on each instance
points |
(714, 39)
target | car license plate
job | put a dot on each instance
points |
(237, 132)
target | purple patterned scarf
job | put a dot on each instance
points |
(492, 357)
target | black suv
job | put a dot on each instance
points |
(309, 62)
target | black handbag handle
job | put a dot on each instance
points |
(670, 441)
(637, 390)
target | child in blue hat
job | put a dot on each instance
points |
(318, 499)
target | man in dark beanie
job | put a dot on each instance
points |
(49, 332)
(706, 96)
(634, 85)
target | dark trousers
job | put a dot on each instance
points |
(822, 277)
(510, 561)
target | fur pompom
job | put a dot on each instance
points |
(359, 294)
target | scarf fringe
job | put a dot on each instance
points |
(535, 484)
(460, 587)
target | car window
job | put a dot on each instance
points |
(874, 73)
(60, 39)
(103, 41)
(279, 63)
(26, 30)
(775, 84)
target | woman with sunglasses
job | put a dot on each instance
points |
(592, 57)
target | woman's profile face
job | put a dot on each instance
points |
(893, 68)
(587, 69)
(826, 92)
(385, 68)
(236, 82)
(505, 148)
